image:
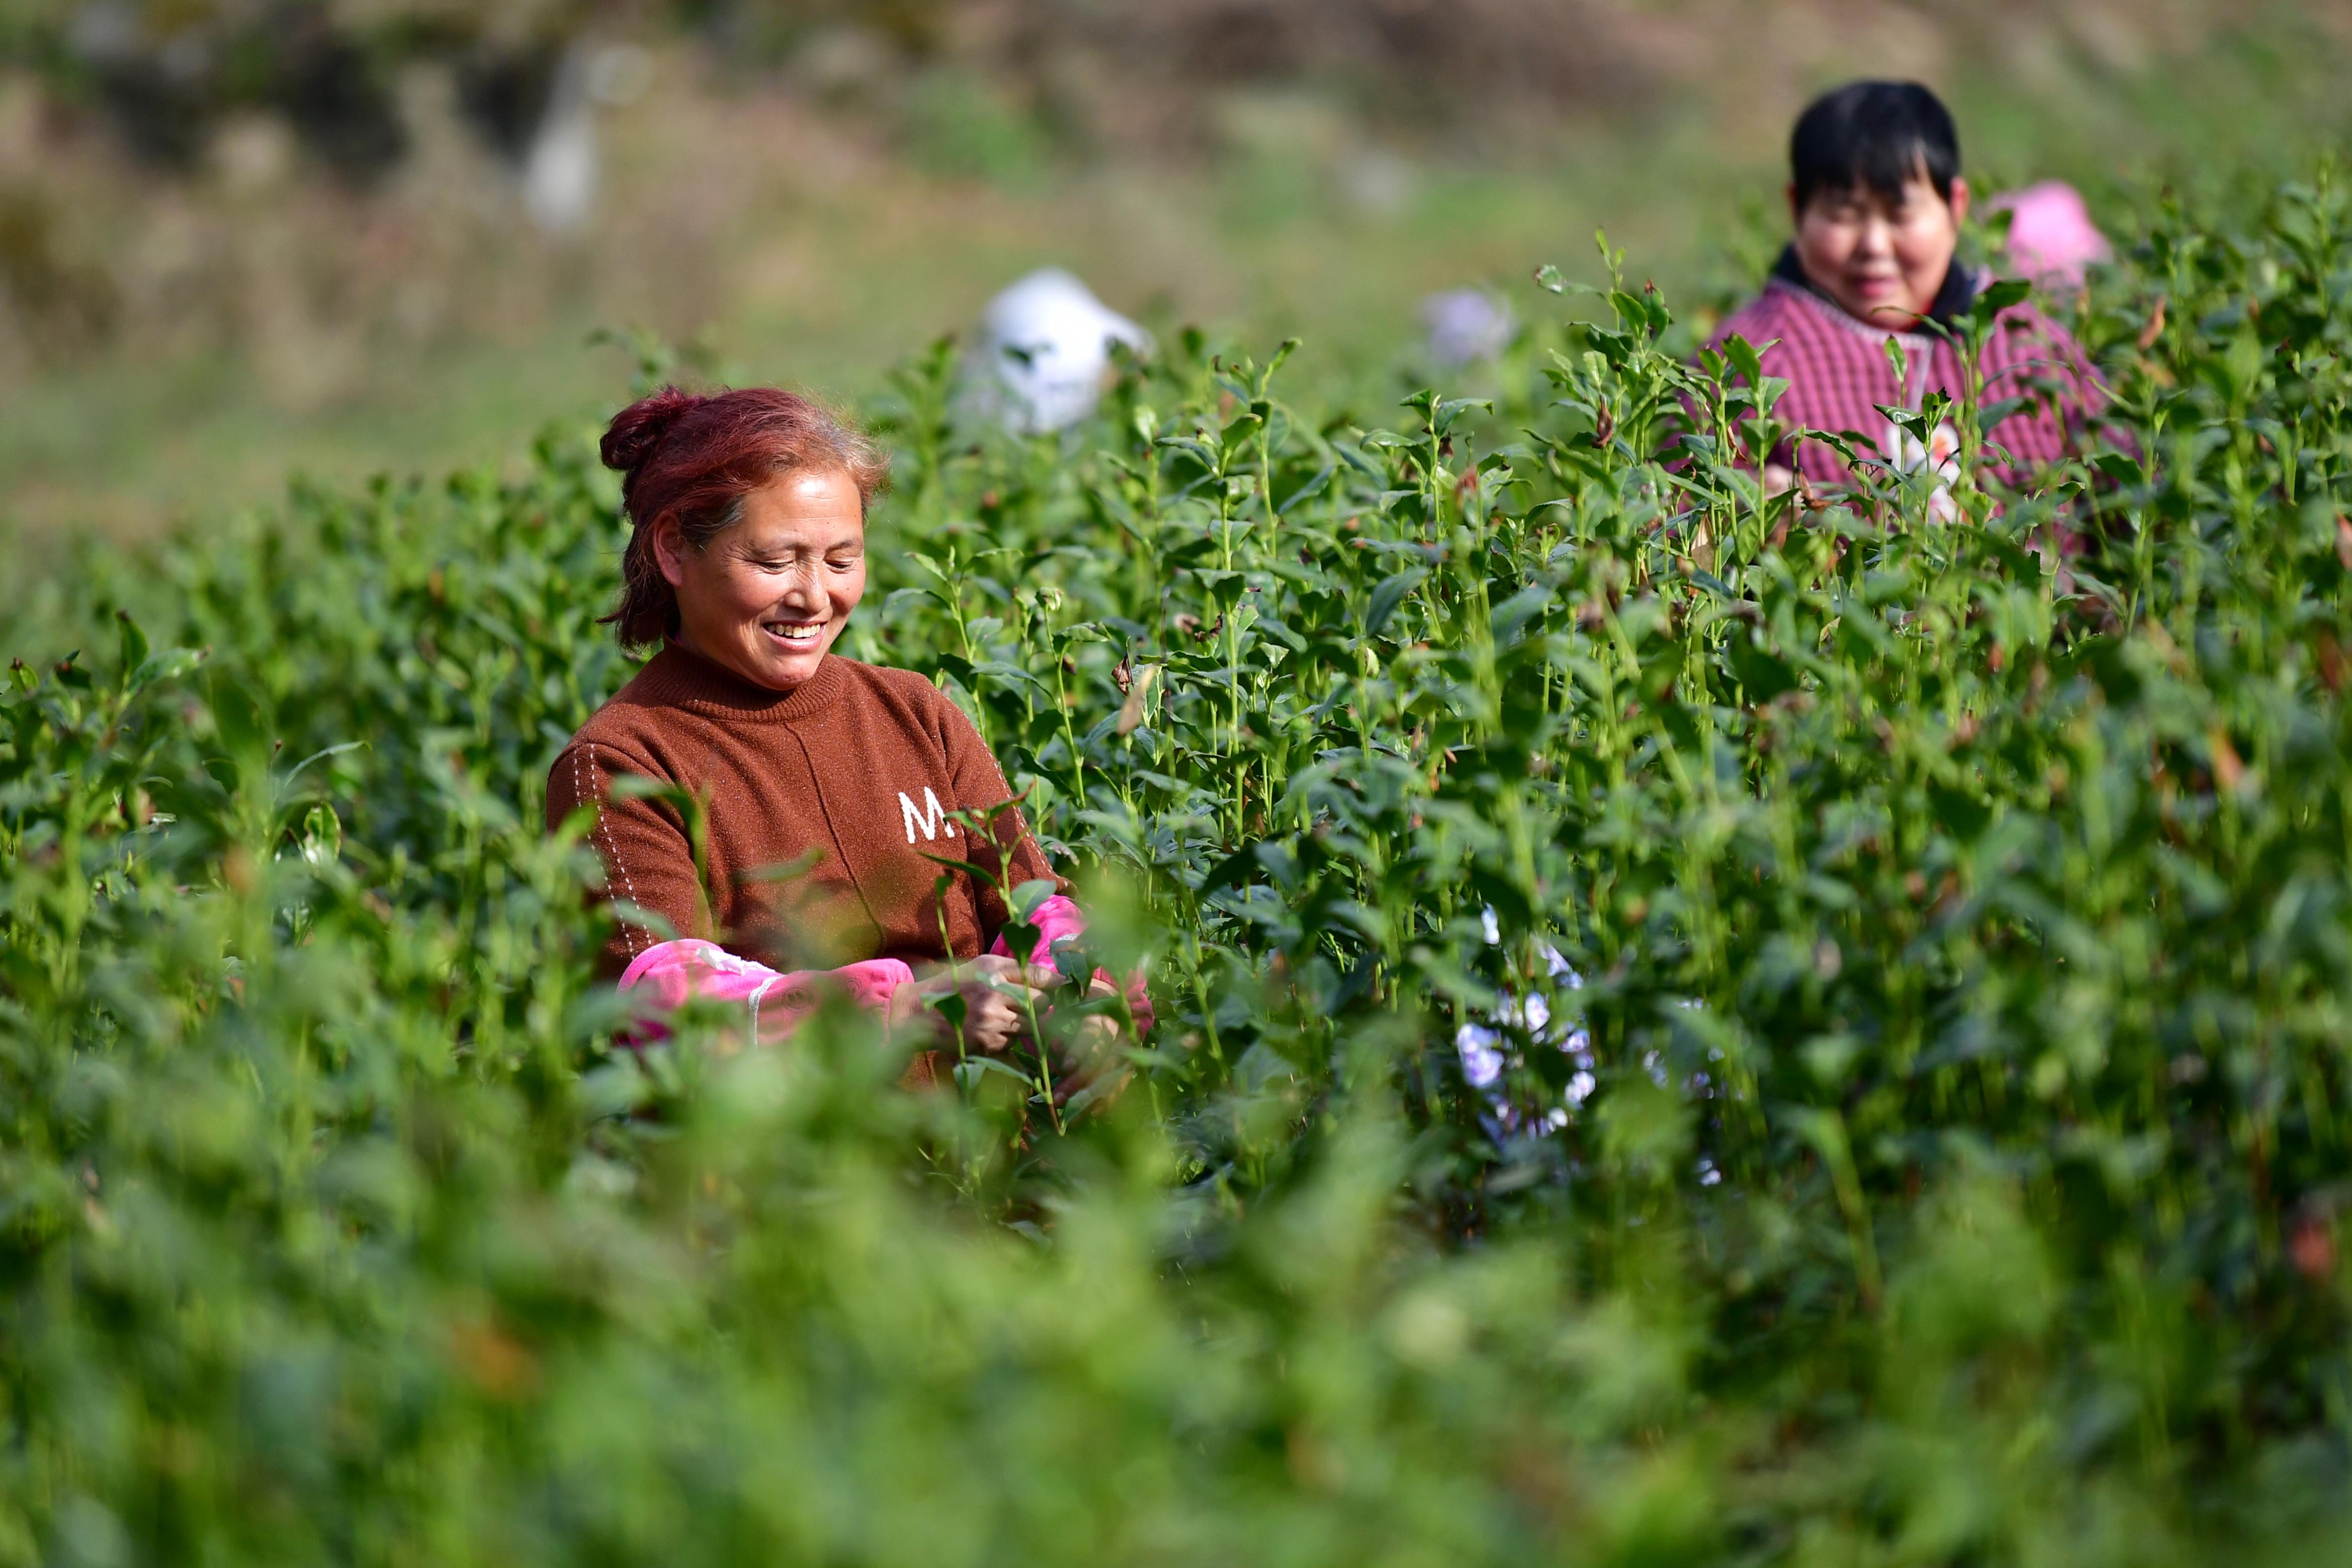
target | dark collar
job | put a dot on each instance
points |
(1952, 301)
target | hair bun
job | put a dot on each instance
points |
(637, 429)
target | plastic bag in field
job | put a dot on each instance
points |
(1464, 326)
(1045, 352)
(1546, 1015)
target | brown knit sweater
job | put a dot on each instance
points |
(820, 805)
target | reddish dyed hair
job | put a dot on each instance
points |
(695, 457)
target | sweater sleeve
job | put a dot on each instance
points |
(1014, 854)
(2034, 357)
(1756, 323)
(648, 860)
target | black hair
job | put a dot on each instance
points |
(1877, 135)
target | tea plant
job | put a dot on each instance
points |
(1693, 1026)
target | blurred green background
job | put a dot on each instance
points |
(246, 239)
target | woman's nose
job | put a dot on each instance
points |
(800, 588)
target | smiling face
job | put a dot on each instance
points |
(1883, 259)
(767, 597)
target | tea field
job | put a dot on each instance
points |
(1692, 1027)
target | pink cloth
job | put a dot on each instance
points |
(676, 971)
(1059, 919)
(2052, 238)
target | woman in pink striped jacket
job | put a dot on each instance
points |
(1876, 199)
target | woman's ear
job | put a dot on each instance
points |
(1789, 190)
(669, 550)
(1959, 201)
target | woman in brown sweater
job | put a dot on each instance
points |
(824, 792)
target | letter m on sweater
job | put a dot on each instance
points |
(930, 817)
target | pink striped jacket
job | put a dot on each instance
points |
(1839, 377)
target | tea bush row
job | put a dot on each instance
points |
(1693, 1027)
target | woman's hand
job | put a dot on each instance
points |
(998, 994)
(1089, 1048)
